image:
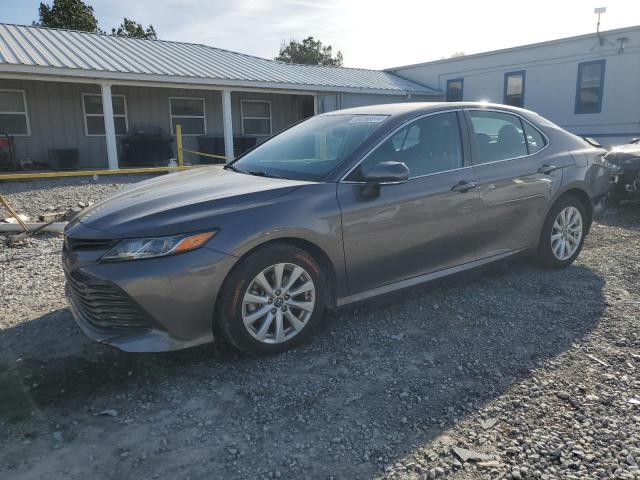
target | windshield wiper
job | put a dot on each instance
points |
(234, 168)
(263, 173)
(257, 173)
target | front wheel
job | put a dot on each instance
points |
(563, 233)
(272, 300)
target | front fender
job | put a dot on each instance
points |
(310, 213)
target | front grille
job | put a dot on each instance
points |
(72, 244)
(103, 304)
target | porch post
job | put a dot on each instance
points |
(109, 127)
(227, 123)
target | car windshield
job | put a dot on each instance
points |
(311, 149)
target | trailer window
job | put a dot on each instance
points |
(590, 86)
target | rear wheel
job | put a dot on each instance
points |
(563, 233)
(272, 300)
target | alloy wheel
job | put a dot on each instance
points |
(566, 233)
(278, 303)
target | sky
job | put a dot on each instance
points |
(370, 33)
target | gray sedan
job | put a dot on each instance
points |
(337, 209)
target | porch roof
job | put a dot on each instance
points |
(38, 50)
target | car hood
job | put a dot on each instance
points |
(177, 203)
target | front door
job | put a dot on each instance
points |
(417, 227)
(514, 187)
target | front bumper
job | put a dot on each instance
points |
(152, 305)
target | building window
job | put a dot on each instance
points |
(190, 114)
(94, 116)
(589, 87)
(256, 117)
(455, 90)
(514, 88)
(14, 119)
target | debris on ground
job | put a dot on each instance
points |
(488, 423)
(470, 455)
(14, 220)
(596, 359)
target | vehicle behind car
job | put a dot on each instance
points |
(624, 162)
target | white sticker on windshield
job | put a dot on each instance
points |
(368, 119)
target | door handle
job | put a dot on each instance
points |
(463, 186)
(547, 169)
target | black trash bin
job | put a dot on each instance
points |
(64, 159)
(146, 147)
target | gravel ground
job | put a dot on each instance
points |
(533, 371)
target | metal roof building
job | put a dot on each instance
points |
(52, 51)
(65, 84)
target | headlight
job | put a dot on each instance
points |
(614, 167)
(138, 248)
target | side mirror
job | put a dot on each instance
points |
(384, 173)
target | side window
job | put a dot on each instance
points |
(429, 145)
(406, 138)
(535, 140)
(497, 136)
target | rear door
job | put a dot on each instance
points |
(516, 179)
(419, 226)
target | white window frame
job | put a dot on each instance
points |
(243, 117)
(118, 115)
(203, 116)
(25, 113)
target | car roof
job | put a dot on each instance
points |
(419, 107)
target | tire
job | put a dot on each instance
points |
(547, 255)
(280, 324)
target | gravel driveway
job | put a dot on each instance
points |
(535, 372)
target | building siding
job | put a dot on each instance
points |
(551, 80)
(56, 116)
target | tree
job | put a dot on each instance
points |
(129, 28)
(309, 52)
(71, 14)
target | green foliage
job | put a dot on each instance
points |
(76, 15)
(129, 28)
(71, 14)
(309, 52)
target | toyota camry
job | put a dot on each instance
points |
(337, 209)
